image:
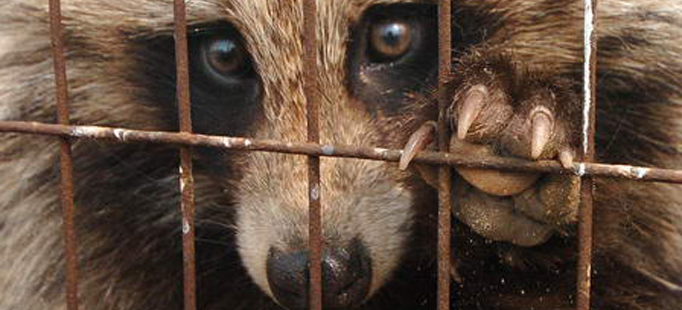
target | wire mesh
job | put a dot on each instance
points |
(446, 158)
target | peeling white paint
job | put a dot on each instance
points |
(327, 149)
(380, 151)
(227, 142)
(182, 180)
(84, 131)
(587, 81)
(581, 169)
(639, 172)
(120, 134)
(185, 226)
(315, 193)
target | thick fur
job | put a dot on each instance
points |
(637, 226)
(127, 198)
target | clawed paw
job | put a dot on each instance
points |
(499, 110)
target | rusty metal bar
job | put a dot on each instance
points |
(454, 158)
(584, 276)
(186, 176)
(311, 89)
(66, 158)
(444, 172)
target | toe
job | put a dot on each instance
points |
(554, 200)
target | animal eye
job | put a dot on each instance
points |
(225, 56)
(389, 40)
(393, 54)
(224, 59)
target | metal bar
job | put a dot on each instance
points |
(66, 158)
(444, 172)
(584, 276)
(453, 158)
(186, 177)
(311, 89)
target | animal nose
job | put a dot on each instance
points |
(288, 278)
(346, 277)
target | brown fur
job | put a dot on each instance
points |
(637, 226)
(127, 196)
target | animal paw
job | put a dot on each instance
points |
(500, 110)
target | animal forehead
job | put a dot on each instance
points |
(275, 11)
(281, 22)
(282, 18)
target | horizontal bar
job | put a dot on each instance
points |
(361, 152)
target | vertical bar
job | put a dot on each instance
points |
(66, 158)
(587, 183)
(186, 178)
(312, 98)
(444, 178)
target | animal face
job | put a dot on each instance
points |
(246, 66)
(367, 210)
(515, 90)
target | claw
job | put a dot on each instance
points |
(417, 142)
(541, 123)
(566, 158)
(476, 97)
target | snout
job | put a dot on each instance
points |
(346, 277)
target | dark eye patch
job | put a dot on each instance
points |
(225, 90)
(393, 54)
(224, 87)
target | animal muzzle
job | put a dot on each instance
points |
(346, 277)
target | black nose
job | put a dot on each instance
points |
(346, 276)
